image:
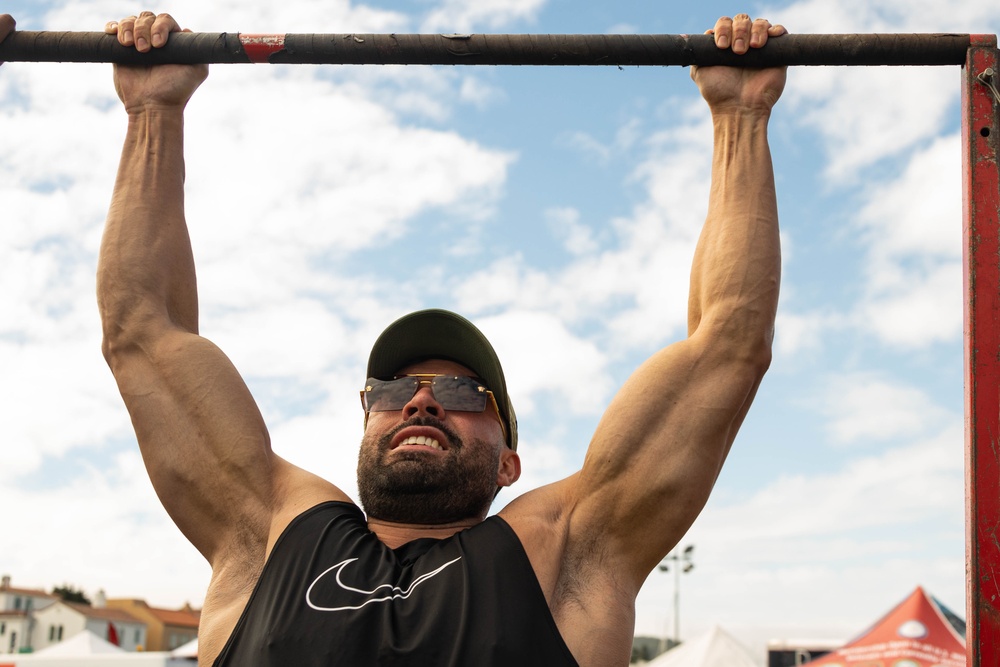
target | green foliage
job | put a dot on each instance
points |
(68, 593)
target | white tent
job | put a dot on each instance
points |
(189, 650)
(715, 648)
(85, 649)
(81, 644)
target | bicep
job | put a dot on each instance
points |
(659, 448)
(201, 435)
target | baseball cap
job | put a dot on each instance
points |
(442, 334)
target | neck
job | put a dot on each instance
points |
(395, 535)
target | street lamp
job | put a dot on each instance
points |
(682, 563)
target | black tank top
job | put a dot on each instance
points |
(333, 595)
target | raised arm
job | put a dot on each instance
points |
(202, 437)
(660, 446)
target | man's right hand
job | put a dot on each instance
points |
(741, 88)
(157, 86)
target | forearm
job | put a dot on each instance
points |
(146, 269)
(737, 263)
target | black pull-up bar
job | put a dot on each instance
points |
(480, 49)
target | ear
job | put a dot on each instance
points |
(510, 467)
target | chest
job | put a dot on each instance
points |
(332, 594)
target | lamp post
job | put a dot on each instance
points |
(682, 563)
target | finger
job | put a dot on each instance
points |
(143, 31)
(162, 27)
(759, 33)
(777, 31)
(741, 33)
(723, 31)
(126, 31)
(7, 24)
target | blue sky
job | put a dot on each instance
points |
(558, 209)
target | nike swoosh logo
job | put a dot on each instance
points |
(360, 597)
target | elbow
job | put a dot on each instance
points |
(738, 339)
(117, 344)
(127, 331)
(756, 352)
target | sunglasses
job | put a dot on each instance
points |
(452, 392)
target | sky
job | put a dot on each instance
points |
(558, 209)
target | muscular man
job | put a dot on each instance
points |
(299, 575)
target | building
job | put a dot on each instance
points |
(62, 620)
(17, 615)
(166, 629)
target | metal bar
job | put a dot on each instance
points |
(981, 230)
(478, 49)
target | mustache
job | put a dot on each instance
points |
(454, 441)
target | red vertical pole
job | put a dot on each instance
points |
(981, 229)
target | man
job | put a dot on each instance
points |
(299, 575)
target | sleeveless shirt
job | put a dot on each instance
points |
(333, 595)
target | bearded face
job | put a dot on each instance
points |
(427, 488)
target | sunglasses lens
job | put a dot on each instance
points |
(459, 393)
(388, 395)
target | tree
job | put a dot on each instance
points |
(67, 593)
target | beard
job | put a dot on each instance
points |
(421, 489)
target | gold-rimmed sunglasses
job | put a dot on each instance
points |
(453, 392)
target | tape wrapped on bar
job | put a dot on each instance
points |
(478, 49)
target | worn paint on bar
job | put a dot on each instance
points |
(259, 48)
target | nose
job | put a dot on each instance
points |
(422, 404)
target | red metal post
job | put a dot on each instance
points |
(981, 228)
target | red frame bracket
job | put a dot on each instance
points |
(981, 230)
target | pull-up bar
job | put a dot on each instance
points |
(479, 49)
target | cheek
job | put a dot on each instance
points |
(479, 426)
(379, 422)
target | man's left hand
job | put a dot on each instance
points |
(6, 26)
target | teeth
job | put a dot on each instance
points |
(422, 440)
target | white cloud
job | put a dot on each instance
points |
(884, 16)
(825, 552)
(84, 531)
(835, 104)
(863, 407)
(905, 485)
(477, 91)
(455, 16)
(639, 282)
(577, 238)
(338, 16)
(926, 310)
(803, 332)
(541, 355)
(919, 211)
(913, 232)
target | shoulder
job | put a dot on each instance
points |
(297, 491)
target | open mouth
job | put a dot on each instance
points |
(421, 437)
(421, 441)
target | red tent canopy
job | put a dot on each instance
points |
(919, 632)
